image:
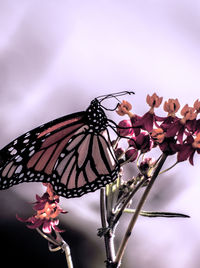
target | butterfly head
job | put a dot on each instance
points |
(96, 117)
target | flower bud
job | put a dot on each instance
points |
(131, 154)
(125, 128)
(146, 166)
(119, 152)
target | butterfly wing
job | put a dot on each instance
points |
(65, 152)
(87, 164)
(32, 156)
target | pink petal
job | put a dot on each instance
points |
(173, 129)
(46, 228)
(148, 120)
(55, 222)
(180, 135)
(39, 206)
(63, 211)
(38, 198)
(57, 229)
(140, 138)
(191, 160)
(36, 224)
(185, 152)
(132, 142)
(30, 219)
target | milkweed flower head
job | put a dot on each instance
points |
(47, 210)
(171, 134)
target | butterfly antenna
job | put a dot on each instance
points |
(107, 109)
(114, 95)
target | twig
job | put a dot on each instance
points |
(137, 211)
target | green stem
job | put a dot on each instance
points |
(137, 211)
(135, 189)
(168, 168)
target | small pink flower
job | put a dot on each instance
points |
(188, 113)
(124, 108)
(47, 209)
(154, 101)
(171, 106)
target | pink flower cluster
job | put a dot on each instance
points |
(172, 134)
(47, 211)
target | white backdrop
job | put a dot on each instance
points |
(56, 56)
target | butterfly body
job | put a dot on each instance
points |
(73, 153)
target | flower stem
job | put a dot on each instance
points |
(60, 244)
(137, 211)
(168, 168)
(135, 189)
(108, 235)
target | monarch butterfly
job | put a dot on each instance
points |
(73, 153)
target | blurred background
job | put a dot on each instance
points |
(55, 57)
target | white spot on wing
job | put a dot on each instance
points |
(19, 169)
(13, 152)
(19, 159)
(31, 153)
